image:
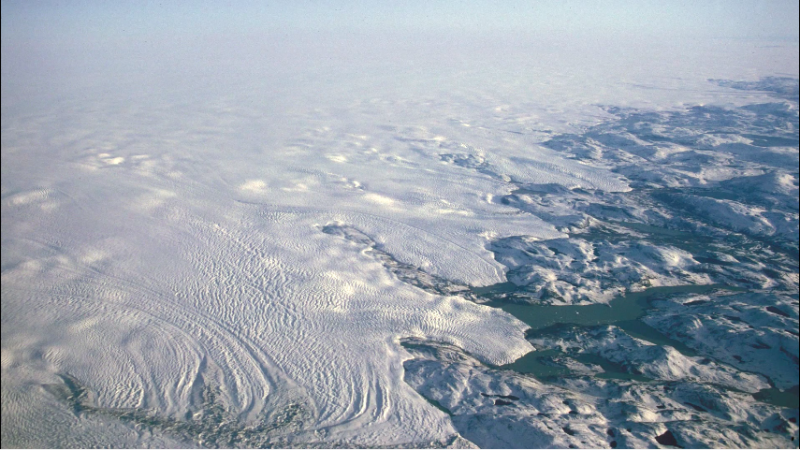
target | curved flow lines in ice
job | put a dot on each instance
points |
(141, 347)
(412, 244)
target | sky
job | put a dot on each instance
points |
(79, 20)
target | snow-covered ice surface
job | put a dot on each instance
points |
(304, 253)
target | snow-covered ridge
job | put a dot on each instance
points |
(495, 408)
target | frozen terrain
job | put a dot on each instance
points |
(348, 248)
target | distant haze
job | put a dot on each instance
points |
(103, 40)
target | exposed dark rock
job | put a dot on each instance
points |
(667, 439)
(777, 311)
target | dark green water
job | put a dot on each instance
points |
(789, 398)
(532, 364)
(624, 312)
(535, 363)
(628, 307)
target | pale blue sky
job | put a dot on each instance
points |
(84, 19)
